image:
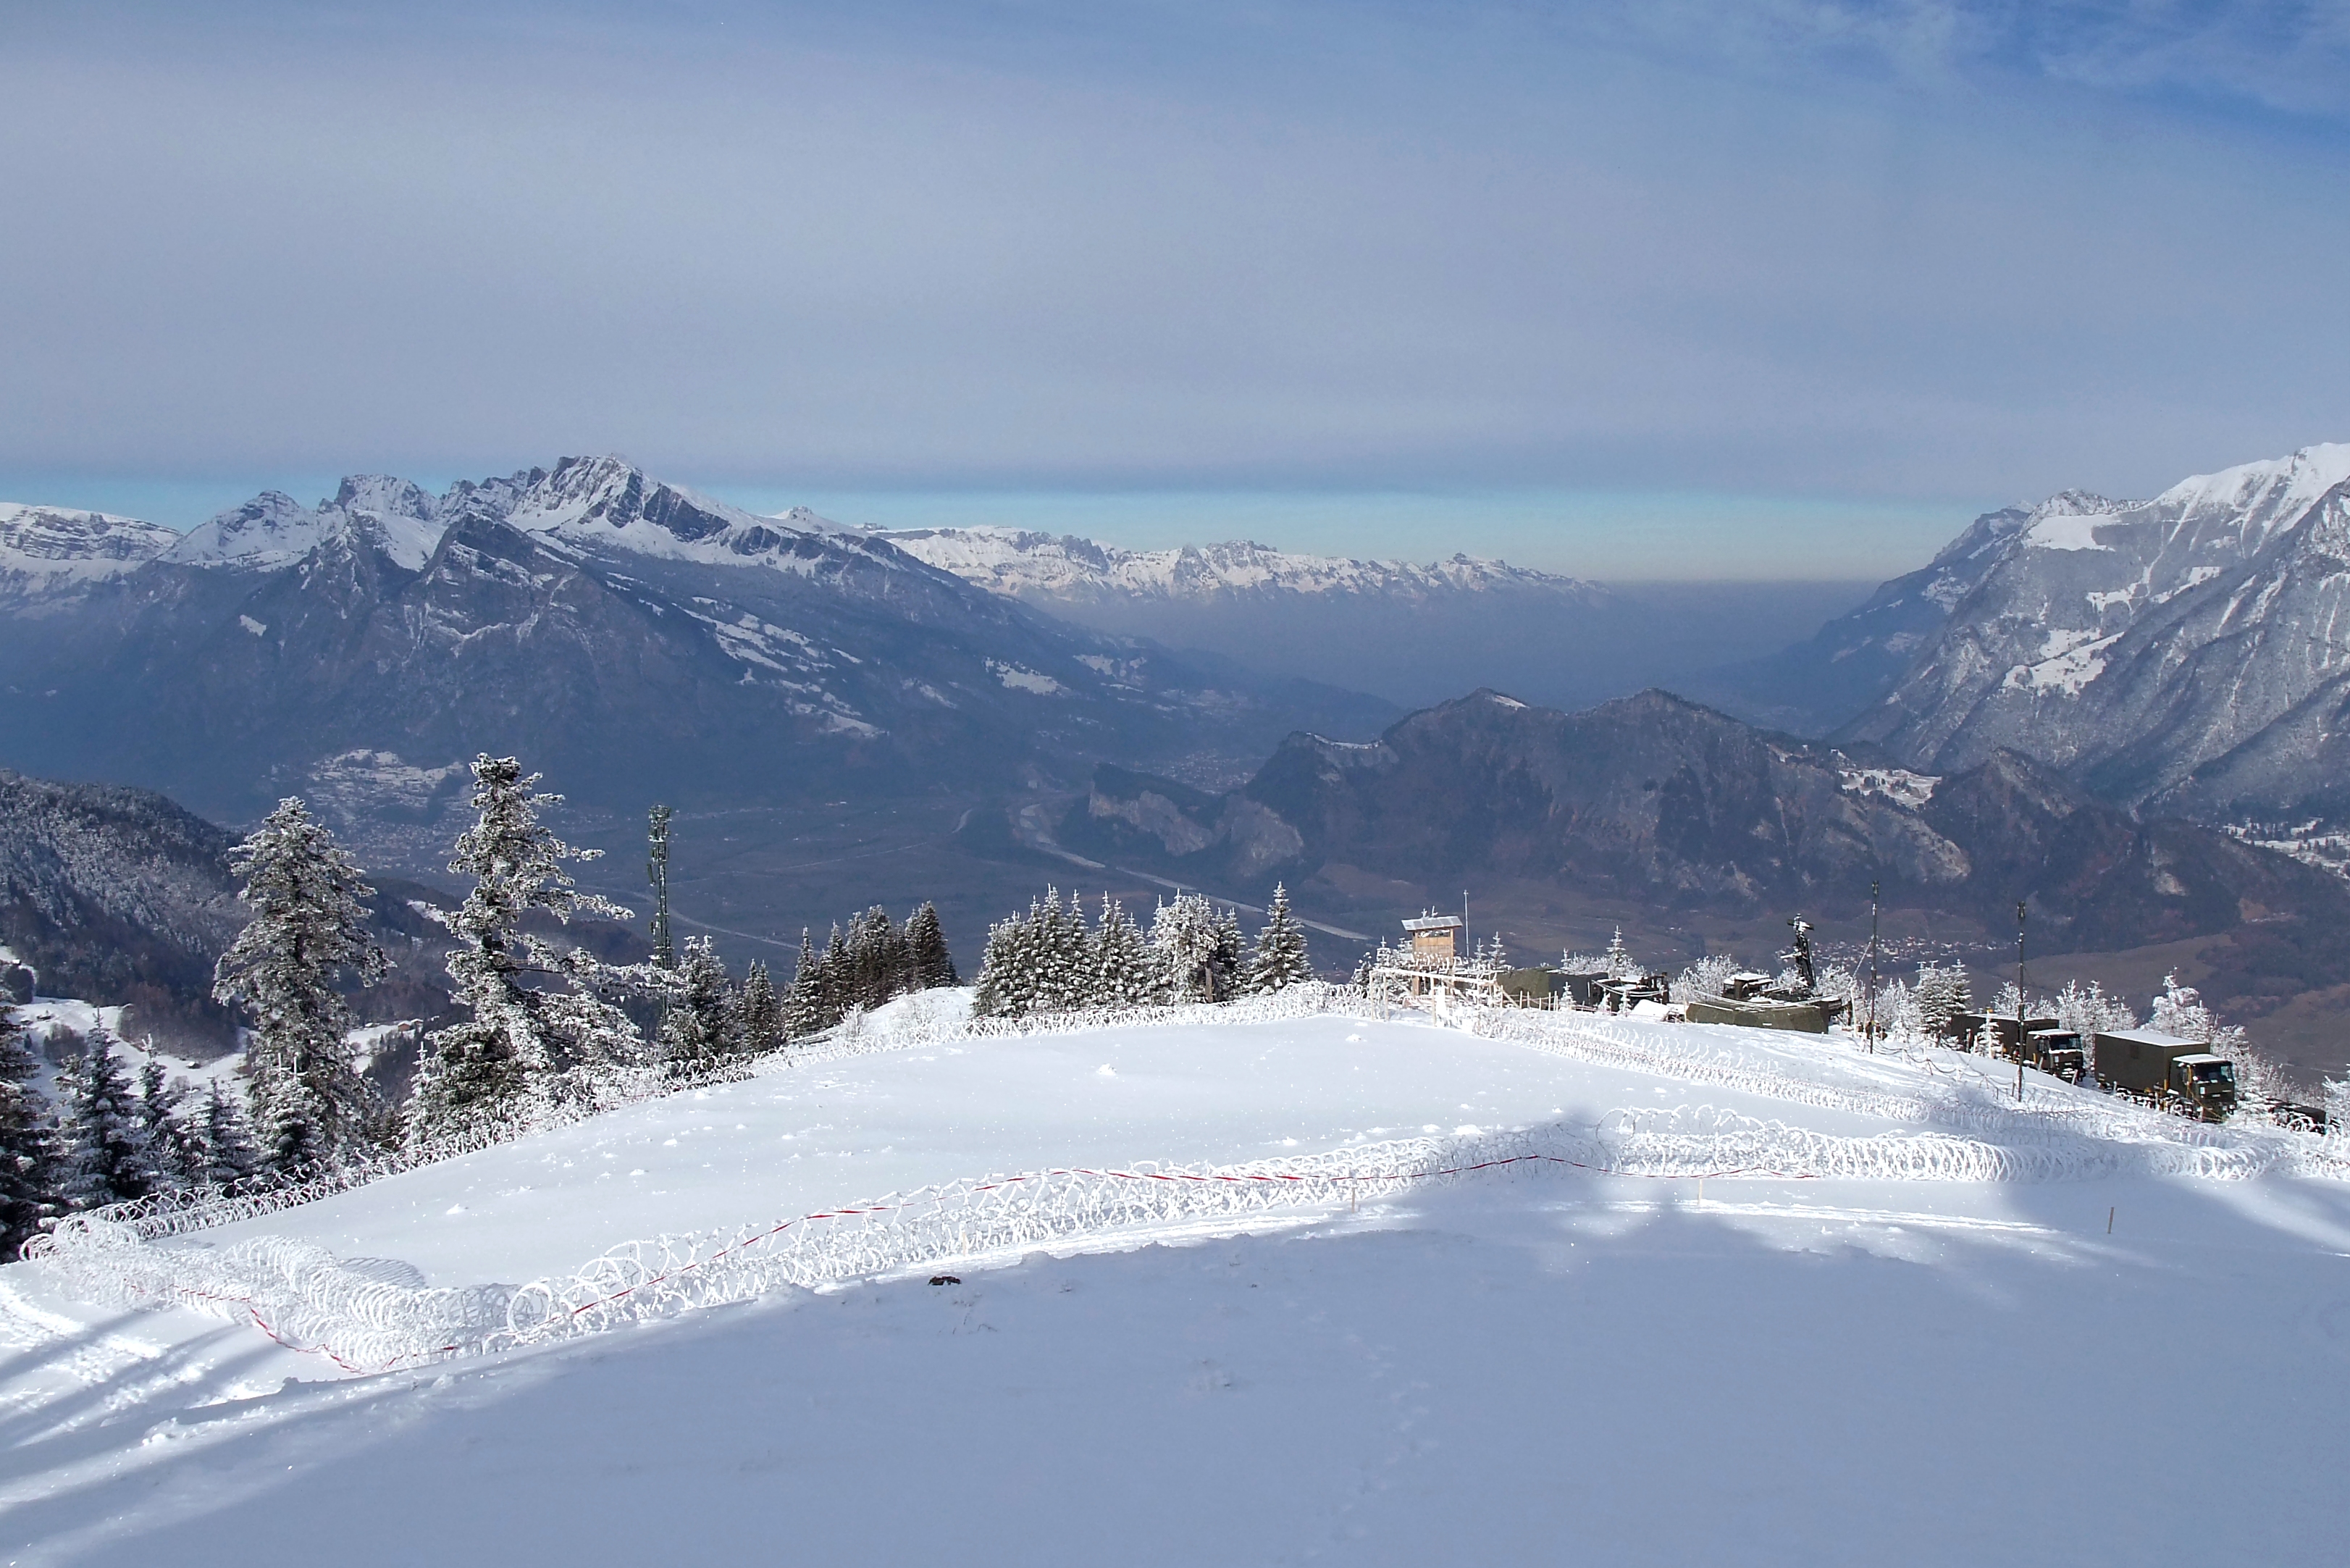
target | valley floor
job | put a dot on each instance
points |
(1539, 1362)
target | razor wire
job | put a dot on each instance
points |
(306, 1298)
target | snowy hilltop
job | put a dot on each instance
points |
(54, 554)
(1478, 1284)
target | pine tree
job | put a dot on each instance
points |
(839, 978)
(804, 1001)
(1199, 950)
(1280, 959)
(172, 1147)
(1940, 995)
(758, 1012)
(28, 1156)
(523, 1051)
(309, 929)
(227, 1154)
(1123, 973)
(927, 958)
(1007, 979)
(697, 1031)
(102, 1144)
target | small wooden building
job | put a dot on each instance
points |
(1436, 939)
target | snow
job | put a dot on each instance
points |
(2067, 530)
(46, 550)
(1912, 790)
(1754, 1369)
(1021, 562)
(1024, 680)
(2070, 659)
(2266, 494)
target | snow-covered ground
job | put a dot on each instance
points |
(1539, 1360)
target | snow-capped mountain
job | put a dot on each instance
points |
(624, 634)
(1409, 632)
(53, 554)
(2183, 652)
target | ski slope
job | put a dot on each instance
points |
(1548, 1356)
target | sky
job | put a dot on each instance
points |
(1789, 288)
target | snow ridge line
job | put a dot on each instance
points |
(302, 1296)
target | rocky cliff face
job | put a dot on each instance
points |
(51, 556)
(625, 635)
(2180, 654)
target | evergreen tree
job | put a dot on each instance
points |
(1004, 989)
(309, 929)
(101, 1140)
(927, 961)
(1280, 958)
(29, 1162)
(838, 972)
(1124, 975)
(1199, 950)
(171, 1146)
(698, 1030)
(804, 1001)
(1940, 995)
(522, 1049)
(226, 1153)
(758, 1012)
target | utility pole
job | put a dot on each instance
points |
(1872, 969)
(2019, 1001)
(657, 872)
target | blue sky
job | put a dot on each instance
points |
(1789, 288)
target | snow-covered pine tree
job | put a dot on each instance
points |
(523, 1050)
(227, 1154)
(839, 978)
(1280, 958)
(2091, 1011)
(1124, 975)
(804, 999)
(1619, 959)
(927, 958)
(758, 1012)
(877, 957)
(994, 993)
(172, 1148)
(1198, 949)
(103, 1149)
(308, 932)
(29, 1162)
(696, 1033)
(1940, 995)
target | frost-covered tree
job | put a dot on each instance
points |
(1124, 974)
(2088, 1011)
(1940, 995)
(1618, 961)
(1007, 985)
(697, 1031)
(172, 1148)
(226, 1148)
(928, 961)
(307, 934)
(758, 1012)
(1279, 960)
(29, 1162)
(1198, 949)
(1706, 977)
(803, 1002)
(838, 977)
(537, 1035)
(101, 1140)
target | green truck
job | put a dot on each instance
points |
(2179, 1075)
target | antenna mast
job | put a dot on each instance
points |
(657, 872)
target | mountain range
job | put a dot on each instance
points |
(630, 638)
(1412, 633)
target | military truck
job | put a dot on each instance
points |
(2057, 1051)
(2182, 1074)
(1999, 1033)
